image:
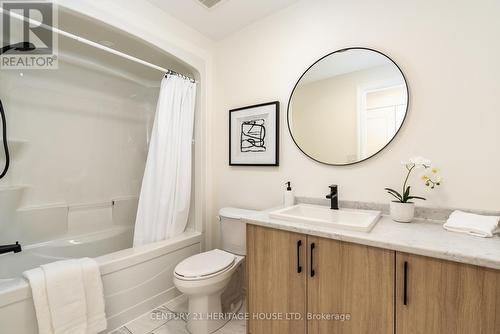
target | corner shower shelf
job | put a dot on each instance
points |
(16, 147)
(10, 198)
(11, 188)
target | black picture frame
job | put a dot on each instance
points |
(276, 111)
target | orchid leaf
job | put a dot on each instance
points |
(397, 197)
(406, 194)
(416, 197)
(394, 193)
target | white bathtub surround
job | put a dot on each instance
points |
(402, 212)
(473, 224)
(49, 222)
(422, 237)
(166, 187)
(68, 297)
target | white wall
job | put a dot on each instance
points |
(449, 52)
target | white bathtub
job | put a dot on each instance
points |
(87, 245)
(135, 279)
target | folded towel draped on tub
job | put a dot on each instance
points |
(68, 297)
(473, 224)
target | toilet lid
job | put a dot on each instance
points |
(205, 264)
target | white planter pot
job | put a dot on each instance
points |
(402, 212)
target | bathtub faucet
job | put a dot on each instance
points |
(16, 248)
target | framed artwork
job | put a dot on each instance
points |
(254, 135)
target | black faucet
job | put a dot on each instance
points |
(333, 196)
(16, 248)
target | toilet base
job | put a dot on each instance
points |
(205, 314)
(204, 299)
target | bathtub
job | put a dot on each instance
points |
(135, 280)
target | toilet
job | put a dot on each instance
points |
(203, 277)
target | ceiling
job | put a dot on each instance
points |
(224, 18)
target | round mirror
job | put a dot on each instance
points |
(347, 106)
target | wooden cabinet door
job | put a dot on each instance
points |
(276, 267)
(445, 297)
(349, 279)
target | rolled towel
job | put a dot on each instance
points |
(473, 224)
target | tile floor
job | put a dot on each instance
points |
(170, 319)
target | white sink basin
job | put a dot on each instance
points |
(351, 219)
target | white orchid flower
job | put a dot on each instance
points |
(417, 162)
(429, 176)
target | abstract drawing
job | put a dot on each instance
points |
(253, 135)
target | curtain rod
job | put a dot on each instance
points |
(170, 72)
(95, 45)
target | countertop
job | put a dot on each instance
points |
(422, 237)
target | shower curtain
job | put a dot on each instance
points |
(166, 187)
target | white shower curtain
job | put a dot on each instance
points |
(166, 187)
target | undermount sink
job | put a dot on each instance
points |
(350, 219)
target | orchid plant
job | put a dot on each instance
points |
(429, 176)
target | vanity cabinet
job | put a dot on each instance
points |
(383, 292)
(435, 296)
(349, 279)
(293, 275)
(276, 266)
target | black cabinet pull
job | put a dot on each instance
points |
(299, 267)
(405, 284)
(312, 266)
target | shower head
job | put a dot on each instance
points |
(23, 47)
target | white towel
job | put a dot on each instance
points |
(68, 297)
(473, 224)
(96, 315)
(36, 278)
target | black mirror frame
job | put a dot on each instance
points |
(390, 141)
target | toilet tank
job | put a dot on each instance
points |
(233, 229)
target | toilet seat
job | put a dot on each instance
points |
(205, 265)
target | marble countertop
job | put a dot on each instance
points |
(422, 237)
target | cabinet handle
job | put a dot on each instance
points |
(405, 284)
(312, 256)
(299, 267)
